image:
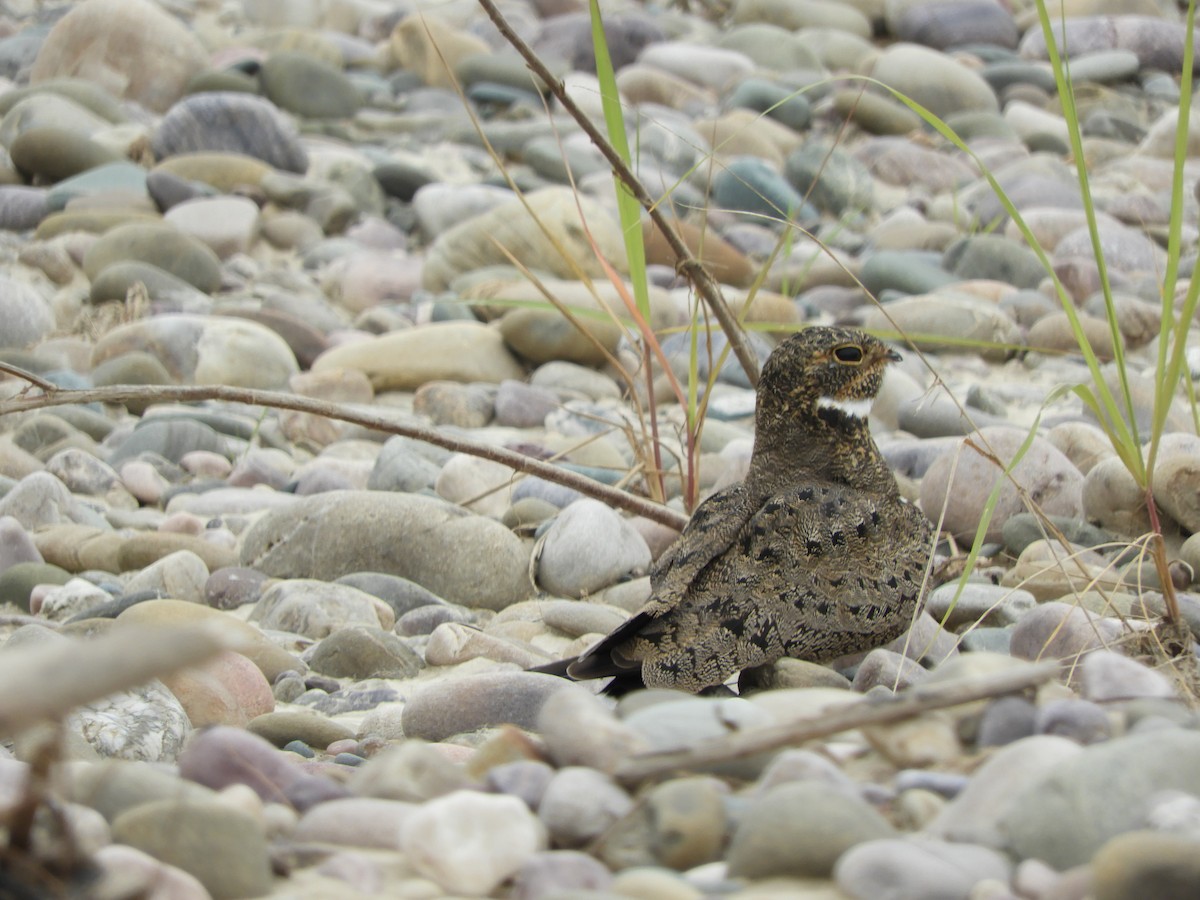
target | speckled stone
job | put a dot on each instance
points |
(230, 123)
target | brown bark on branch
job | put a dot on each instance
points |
(274, 399)
(685, 263)
(905, 705)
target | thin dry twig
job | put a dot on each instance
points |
(190, 394)
(1159, 554)
(896, 708)
(25, 375)
(686, 264)
(16, 620)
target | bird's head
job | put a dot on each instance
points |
(832, 373)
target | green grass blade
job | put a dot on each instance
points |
(628, 208)
(989, 510)
(1066, 95)
(1172, 338)
(1175, 225)
(1119, 428)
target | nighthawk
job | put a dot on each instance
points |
(813, 556)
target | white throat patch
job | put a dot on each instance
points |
(856, 409)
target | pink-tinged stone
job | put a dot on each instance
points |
(373, 278)
(16, 546)
(182, 523)
(132, 873)
(227, 690)
(143, 481)
(206, 463)
(222, 756)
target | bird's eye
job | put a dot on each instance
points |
(850, 354)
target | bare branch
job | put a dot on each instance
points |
(526, 464)
(32, 378)
(687, 264)
(896, 708)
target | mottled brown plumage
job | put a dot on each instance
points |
(815, 555)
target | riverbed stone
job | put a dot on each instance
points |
(1043, 470)
(25, 314)
(1087, 793)
(589, 547)
(330, 535)
(160, 245)
(470, 842)
(469, 702)
(308, 87)
(512, 228)
(189, 835)
(801, 830)
(935, 80)
(134, 49)
(405, 360)
(364, 652)
(227, 122)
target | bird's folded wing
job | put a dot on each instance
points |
(714, 526)
(826, 553)
(834, 554)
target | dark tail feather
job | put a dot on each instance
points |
(558, 667)
(623, 683)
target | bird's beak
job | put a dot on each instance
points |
(893, 356)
